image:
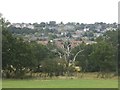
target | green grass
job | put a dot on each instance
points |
(81, 83)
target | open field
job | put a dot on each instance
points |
(70, 83)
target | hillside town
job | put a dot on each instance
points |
(66, 44)
(58, 33)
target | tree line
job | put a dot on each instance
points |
(20, 57)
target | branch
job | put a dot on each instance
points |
(76, 55)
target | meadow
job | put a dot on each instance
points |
(57, 83)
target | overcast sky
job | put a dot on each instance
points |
(82, 11)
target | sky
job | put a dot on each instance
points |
(82, 11)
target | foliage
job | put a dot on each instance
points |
(54, 67)
(15, 30)
(100, 57)
(19, 55)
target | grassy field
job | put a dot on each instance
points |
(71, 83)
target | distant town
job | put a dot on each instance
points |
(76, 33)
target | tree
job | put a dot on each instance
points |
(83, 58)
(112, 38)
(104, 58)
(42, 24)
(53, 67)
(118, 51)
(40, 52)
(15, 52)
(52, 23)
